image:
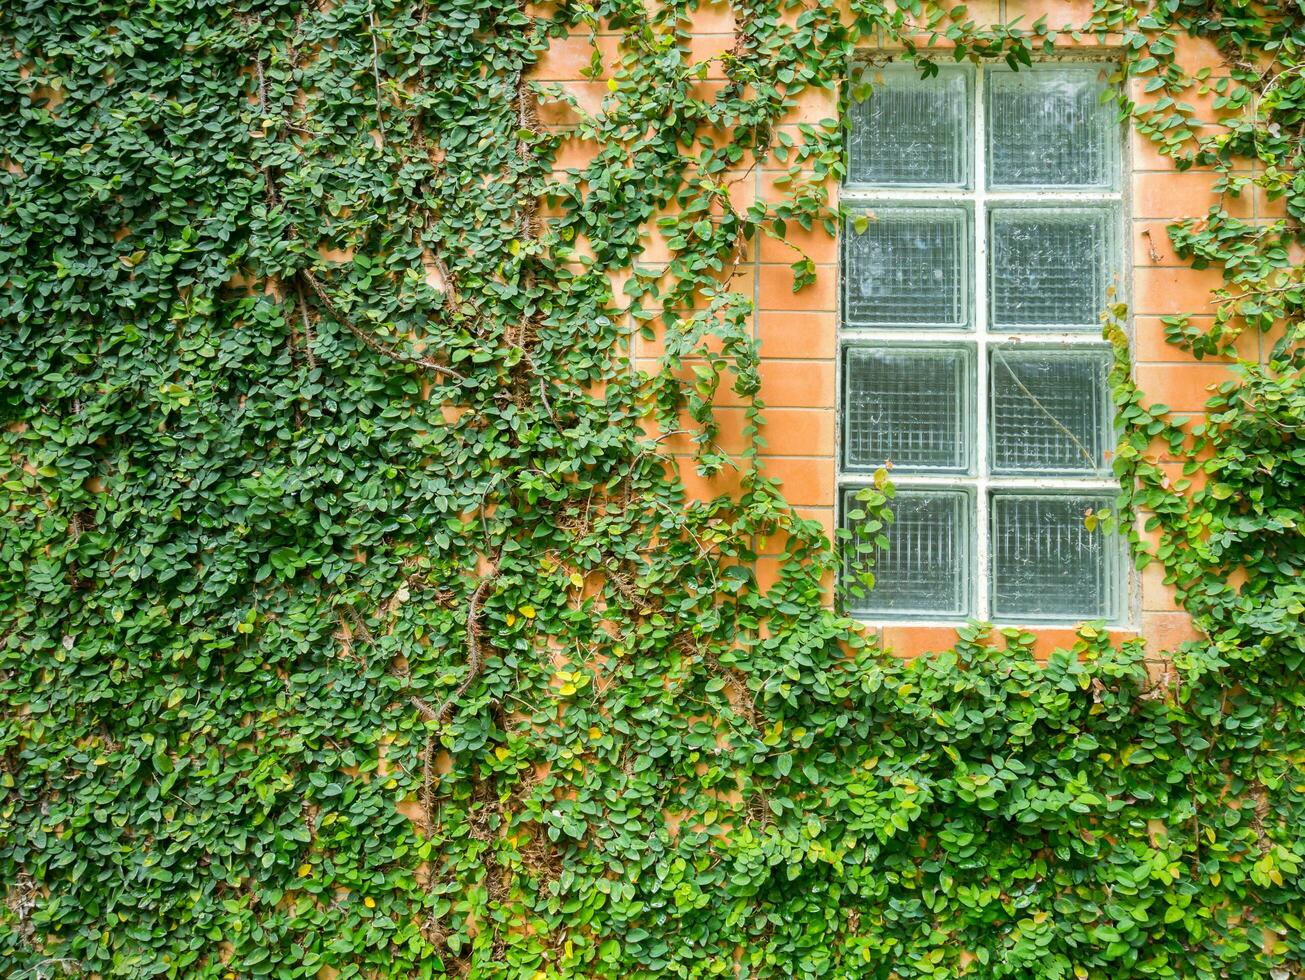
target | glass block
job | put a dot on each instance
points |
(925, 570)
(908, 406)
(911, 131)
(907, 268)
(1048, 127)
(1050, 269)
(1051, 410)
(1046, 564)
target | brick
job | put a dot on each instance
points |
(798, 384)
(1184, 387)
(806, 482)
(798, 432)
(566, 58)
(710, 48)
(1195, 53)
(589, 96)
(912, 641)
(811, 105)
(1156, 595)
(1152, 245)
(1174, 291)
(797, 334)
(1265, 208)
(712, 18)
(1059, 13)
(776, 293)
(1164, 631)
(817, 244)
(767, 572)
(575, 153)
(728, 481)
(732, 422)
(1175, 195)
(1149, 343)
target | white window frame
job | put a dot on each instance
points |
(978, 199)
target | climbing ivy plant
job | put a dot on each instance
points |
(355, 620)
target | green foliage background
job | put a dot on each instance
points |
(354, 625)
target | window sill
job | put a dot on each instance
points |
(908, 639)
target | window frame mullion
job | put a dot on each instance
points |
(979, 292)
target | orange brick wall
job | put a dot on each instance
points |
(798, 332)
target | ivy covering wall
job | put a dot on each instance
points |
(355, 623)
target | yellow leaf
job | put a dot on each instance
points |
(577, 579)
(502, 752)
(527, 611)
(369, 902)
(305, 870)
(595, 734)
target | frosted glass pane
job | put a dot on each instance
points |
(1051, 410)
(1046, 564)
(925, 570)
(1049, 128)
(907, 268)
(1050, 269)
(907, 406)
(911, 130)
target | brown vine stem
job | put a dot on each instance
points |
(475, 662)
(376, 70)
(308, 325)
(368, 339)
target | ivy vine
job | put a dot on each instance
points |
(355, 620)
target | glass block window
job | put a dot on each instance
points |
(922, 571)
(908, 407)
(1046, 564)
(907, 268)
(911, 131)
(1051, 126)
(979, 255)
(1050, 410)
(1050, 268)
